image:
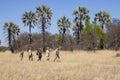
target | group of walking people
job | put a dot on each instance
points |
(39, 54)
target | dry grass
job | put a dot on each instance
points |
(77, 65)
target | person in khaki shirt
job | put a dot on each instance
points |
(21, 55)
(57, 56)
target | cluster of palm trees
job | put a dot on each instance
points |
(42, 18)
(80, 17)
(12, 33)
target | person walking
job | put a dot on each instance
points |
(48, 54)
(21, 55)
(57, 55)
(30, 55)
(39, 54)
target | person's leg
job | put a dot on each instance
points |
(38, 58)
(47, 58)
(21, 58)
(55, 59)
(29, 57)
(58, 58)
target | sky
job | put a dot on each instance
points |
(12, 10)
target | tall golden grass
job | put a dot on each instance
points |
(77, 65)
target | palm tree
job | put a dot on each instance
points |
(102, 17)
(44, 15)
(9, 27)
(80, 15)
(29, 19)
(63, 24)
(15, 34)
(16, 30)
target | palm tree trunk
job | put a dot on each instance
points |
(13, 43)
(30, 35)
(63, 35)
(101, 40)
(63, 42)
(9, 37)
(9, 40)
(43, 34)
(18, 42)
(78, 37)
(62, 38)
(0, 42)
(80, 43)
(102, 26)
(43, 40)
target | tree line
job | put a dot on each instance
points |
(101, 33)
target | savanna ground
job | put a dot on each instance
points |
(77, 65)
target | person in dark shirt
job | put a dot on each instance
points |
(21, 55)
(39, 54)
